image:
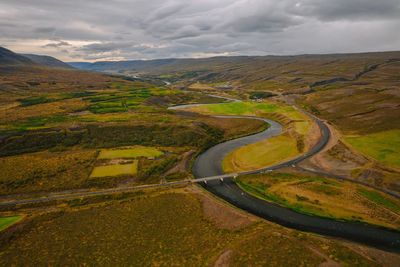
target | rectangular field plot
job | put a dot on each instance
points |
(115, 170)
(133, 152)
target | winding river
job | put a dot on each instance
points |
(209, 164)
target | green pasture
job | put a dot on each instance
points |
(382, 146)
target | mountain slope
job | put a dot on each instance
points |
(47, 61)
(9, 58)
(327, 66)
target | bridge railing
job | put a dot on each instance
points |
(217, 177)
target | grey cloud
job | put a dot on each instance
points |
(45, 30)
(261, 23)
(260, 16)
(164, 12)
(348, 9)
(57, 44)
(180, 28)
(8, 25)
(105, 47)
(185, 32)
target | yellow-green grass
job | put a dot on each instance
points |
(325, 197)
(236, 108)
(260, 154)
(243, 108)
(132, 152)
(302, 127)
(6, 222)
(302, 122)
(382, 146)
(115, 170)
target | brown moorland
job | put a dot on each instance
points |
(124, 232)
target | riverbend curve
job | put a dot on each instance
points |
(209, 164)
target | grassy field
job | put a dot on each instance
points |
(240, 108)
(133, 152)
(382, 146)
(261, 154)
(147, 231)
(301, 121)
(115, 170)
(6, 222)
(325, 197)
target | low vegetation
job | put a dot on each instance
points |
(98, 136)
(260, 95)
(325, 197)
(234, 128)
(153, 171)
(45, 171)
(132, 239)
(187, 234)
(380, 199)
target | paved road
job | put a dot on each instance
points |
(209, 164)
(74, 194)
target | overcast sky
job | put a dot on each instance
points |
(92, 30)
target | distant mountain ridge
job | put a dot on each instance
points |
(122, 65)
(10, 58)
(233, 64)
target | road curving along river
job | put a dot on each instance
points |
(209, 164)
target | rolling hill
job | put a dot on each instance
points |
(9, 58)
(47, 61)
